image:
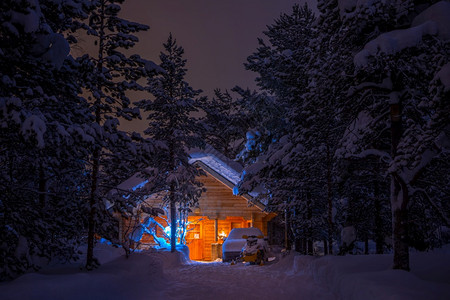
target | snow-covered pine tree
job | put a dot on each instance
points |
(107, 77)
(283, 167)
(280, 65)
(361, 22)
(363, 202)
(41, 157)
(393, 91)
(175, 131)
(325, 118)
(224, 129)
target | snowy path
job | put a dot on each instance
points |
(225, 281)
(164, 275)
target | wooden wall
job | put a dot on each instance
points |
(219, 202)
(219, 210)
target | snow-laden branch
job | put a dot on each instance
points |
(374, 152)
(386, 84)
(410, 175)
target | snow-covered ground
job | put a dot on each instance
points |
(165, 275)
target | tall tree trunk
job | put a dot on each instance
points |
(286, 228)
(304, 246)
(309, 229)
(173, 219)
(92, 211)
(310, 247)
(379, 238)
(90, 262)
(173, 207)
(399, 197)
(42, 187)
(399, 203)
(330, 202)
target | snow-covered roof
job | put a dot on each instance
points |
(222, 165)
(212, 161)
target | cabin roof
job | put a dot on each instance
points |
(210, 160)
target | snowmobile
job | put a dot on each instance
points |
(253, 252)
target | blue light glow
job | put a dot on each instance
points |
(140, 185)
(167, 230)
(235, 191)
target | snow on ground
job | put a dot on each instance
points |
(371, 276)
(165, 275)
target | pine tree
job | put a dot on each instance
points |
(175, 131)
(282, 163)
(107, 77)
(393, 91)
(224, 128)
(41, 153)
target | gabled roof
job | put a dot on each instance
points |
(219, 163)
(210, 160)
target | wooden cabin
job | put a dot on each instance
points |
(219, 210)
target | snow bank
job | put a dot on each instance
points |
(372, 277)
(165, 275)
(140, 276)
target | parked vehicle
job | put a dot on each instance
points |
(235, 242)
(254, 252)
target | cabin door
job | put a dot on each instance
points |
(194, 241)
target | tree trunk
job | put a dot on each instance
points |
(304, 246)
(325, 247)
(399, 197)
(173, 208)
(92, 211)
(309, 237)
(298, 244)
(330, 202)
(379, 238)
(401, 249)
(286, 235)
(90, 262)
(310, 247)
(42, 187)
(400, 225)
(173, 219)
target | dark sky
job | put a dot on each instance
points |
(217, 35)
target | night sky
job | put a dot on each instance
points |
(217, 35)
